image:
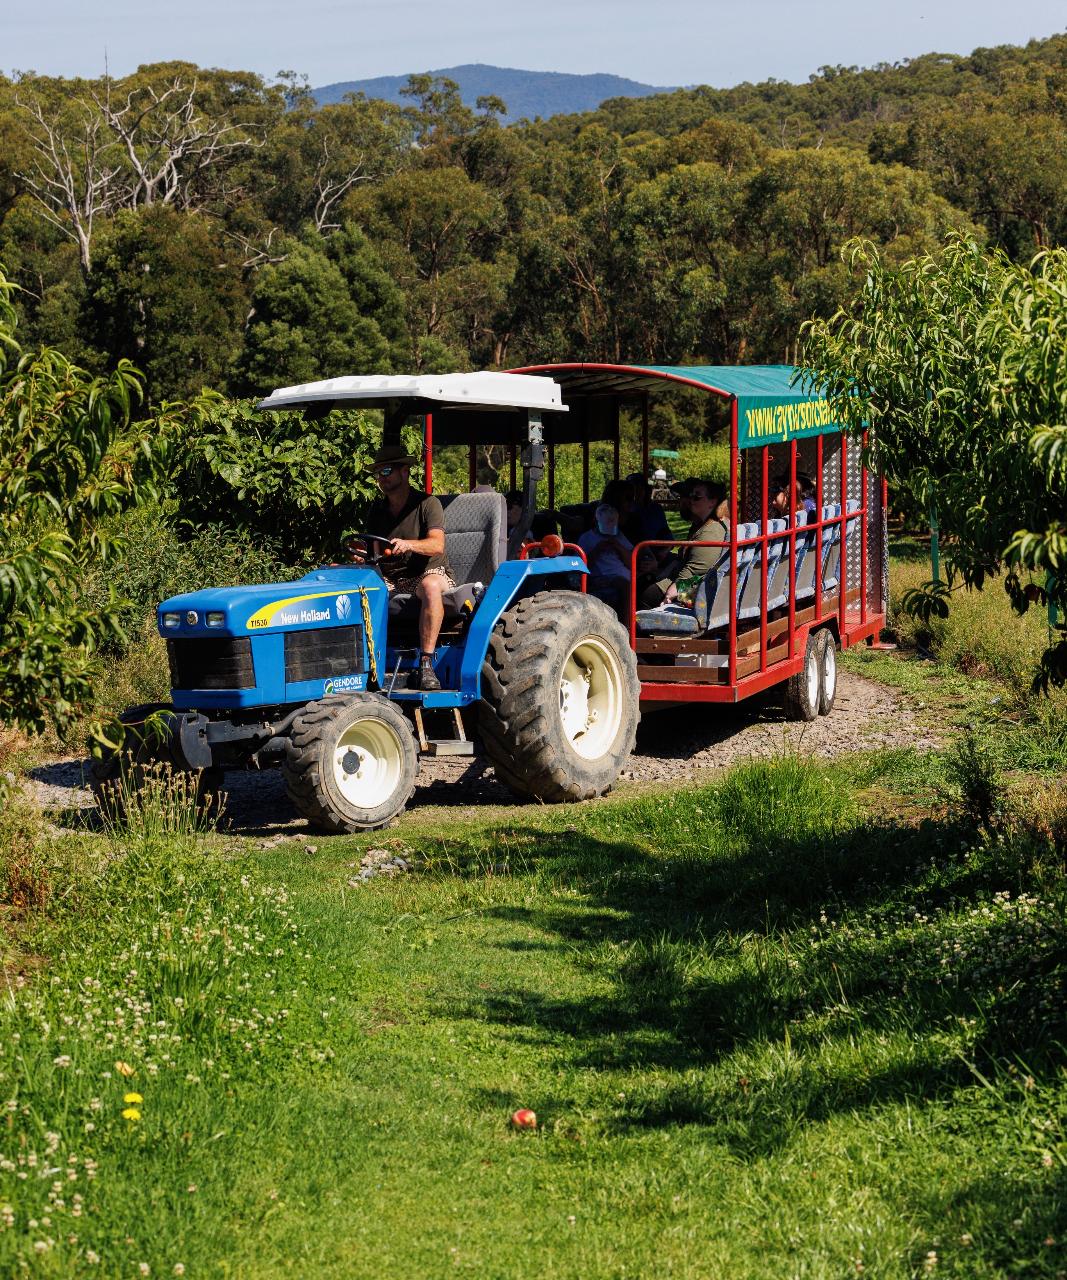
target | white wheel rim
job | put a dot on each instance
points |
(590, 698)
(829, 670)
(368, 763)
(812, 674)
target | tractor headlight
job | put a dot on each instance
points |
(171, 620)
(215, 619)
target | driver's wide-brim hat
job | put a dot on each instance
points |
(392, 455)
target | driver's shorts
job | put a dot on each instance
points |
(407, 586)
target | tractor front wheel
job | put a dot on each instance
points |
(560, 697)
(350, 763)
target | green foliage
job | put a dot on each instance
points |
(326, 310)
(299, 484)
(973, 770)
(161, 555)
(71, 461)
(955, 364)
(165, 293)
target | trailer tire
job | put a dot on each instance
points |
(803, 690)
(331, 744)
(560, 697)
(113, 775)
(827, 671)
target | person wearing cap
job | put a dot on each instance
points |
(414, 523)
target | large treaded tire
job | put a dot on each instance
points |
(115, 773)
(315, 780)
(521, 719)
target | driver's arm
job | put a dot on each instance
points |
(432, 545)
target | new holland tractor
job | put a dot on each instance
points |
(316, 676)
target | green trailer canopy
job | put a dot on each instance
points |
(774, 405)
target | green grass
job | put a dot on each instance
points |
(767, 1030)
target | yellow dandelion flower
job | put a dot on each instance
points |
(130, 1098)
(131, 1113)
(124, 1068)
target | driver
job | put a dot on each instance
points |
(415, 524)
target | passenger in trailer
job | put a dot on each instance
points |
(682, 490)
(607, 552)
(709, 512)
(649, 519)
(514, 507)
(803, 497)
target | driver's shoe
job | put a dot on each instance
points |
(425, 679)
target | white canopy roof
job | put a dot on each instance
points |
(455, 390)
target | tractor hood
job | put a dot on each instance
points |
(324, 598)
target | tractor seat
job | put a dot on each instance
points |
(476, 544)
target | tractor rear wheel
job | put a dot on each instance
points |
(145, 751)
(560, 697)
(350, 763)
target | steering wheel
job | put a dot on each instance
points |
(371, 540)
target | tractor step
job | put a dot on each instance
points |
(447, 747)
(460, 745)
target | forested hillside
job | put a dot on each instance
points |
(222, 231)
(528, 94)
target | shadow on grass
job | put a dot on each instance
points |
(735, 956)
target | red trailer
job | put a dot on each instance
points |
(785, 593)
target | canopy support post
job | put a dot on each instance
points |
(533, 466)
(732, 657)
(551, 476)
(764, 553)
(644, 435)
(427, 452)
(791, 496)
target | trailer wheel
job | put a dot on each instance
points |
(827, 671)
(802, 691)
(560, 697)
(117, 773)
(350, 763)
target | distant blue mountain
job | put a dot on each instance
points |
(527, 93)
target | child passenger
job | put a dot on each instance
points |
(607, 552)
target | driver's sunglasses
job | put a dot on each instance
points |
(385, 471)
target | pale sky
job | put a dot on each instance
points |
(662, 42)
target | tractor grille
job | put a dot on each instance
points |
(325, 652)
(218, 662)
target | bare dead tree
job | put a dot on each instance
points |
(169, 143)
(329, 189)
(256, 255)
(76, 175)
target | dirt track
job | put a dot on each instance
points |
(672, 745)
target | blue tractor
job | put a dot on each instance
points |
(313, 676)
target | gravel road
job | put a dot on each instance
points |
(678, 743)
